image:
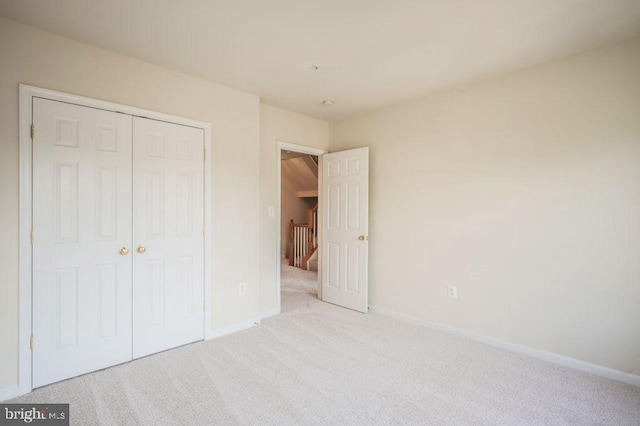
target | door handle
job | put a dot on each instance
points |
(362, 238)
(141, 249)
(123, 251)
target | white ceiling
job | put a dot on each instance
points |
(371, 53)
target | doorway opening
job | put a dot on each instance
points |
(299, 254)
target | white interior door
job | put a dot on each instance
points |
(168, 239)
(81, 222)
(345, 225)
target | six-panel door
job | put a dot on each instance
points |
(345, 225)
(81, 219)
(168, 222)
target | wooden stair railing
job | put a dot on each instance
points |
(312, 236)
(303, 238)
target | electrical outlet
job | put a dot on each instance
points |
(452, 290)
(242, 289)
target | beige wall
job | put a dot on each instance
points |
(291, 207)
(524, 192)
(278, 125)
(38, 58)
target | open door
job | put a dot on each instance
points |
(345, 226)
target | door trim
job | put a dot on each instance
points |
(281, 145)
(26, 95)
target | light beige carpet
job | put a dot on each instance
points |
(318, 364)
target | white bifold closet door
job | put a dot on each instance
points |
(81, 220)
(118, 250)
(168, 224)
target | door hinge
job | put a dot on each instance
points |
(203, 306)
(204, 155)
(31, 343)
(31, 237)
(32, 131)
(204, 230)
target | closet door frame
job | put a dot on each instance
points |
(26, 95)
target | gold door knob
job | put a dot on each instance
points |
(361, 237)
(141, 249)
(123, 251)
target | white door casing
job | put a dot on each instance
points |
(168, 237)
(81, 219)
(345, 225)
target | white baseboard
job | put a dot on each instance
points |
(269, 313)
(10, 392)
(565, 361)
(232, 328)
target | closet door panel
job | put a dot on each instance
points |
(81, 221)
(168, 216)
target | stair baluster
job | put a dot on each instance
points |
(303, 239)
